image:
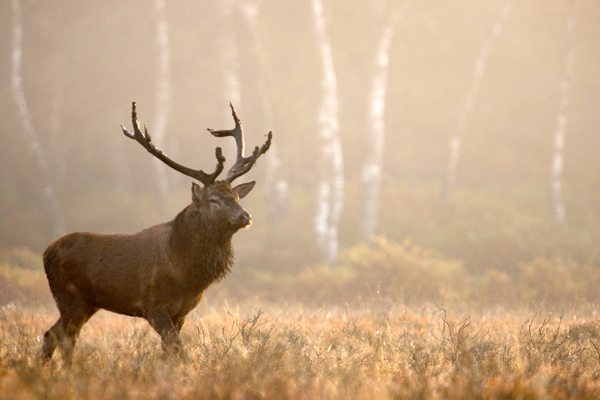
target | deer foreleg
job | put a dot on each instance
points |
(163, 324)
(178, 323)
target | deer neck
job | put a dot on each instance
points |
(198, 245)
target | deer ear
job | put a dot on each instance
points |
(243, 189)
(198, 193)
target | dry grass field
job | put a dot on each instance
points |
(379, 350)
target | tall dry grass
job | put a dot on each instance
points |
(368, 327)
(382, 349)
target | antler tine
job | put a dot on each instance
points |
(245, 164)
(242, 164)
(146, 141)
(237, 132)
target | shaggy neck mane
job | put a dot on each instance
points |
(203, 247)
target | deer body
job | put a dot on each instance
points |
(159, 274)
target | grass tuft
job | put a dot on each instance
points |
(264, 351)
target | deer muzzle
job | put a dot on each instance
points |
(244, 219)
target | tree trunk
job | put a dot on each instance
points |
(455, 141)
(330, 190)
(275, 183)
(373, 166)
(36, 149)
(229, 56)
(163, 96)
(556, 197)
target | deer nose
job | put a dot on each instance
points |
(245, 219)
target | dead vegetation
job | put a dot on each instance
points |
(389, 322)
(379, 350)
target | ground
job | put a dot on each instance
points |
(378, 349)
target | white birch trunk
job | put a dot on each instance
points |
(55, 146)
(163, 96)
(556, 197)
(471, 98)
(229, 66)
(373, 166)
(276, 185)
(55, 215)
(330, 190)
(229, 57)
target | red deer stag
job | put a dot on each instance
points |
(160, 273)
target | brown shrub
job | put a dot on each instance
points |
(22, 278)
(558, 281)
(402, 271)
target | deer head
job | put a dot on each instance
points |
(216, 200)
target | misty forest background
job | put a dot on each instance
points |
(421, 148)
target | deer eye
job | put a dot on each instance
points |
(215, 202)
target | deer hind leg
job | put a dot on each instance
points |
(72, 327)
(63, 334)
(51, 339)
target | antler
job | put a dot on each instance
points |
(242, 164)
(145, 140)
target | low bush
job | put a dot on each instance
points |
(402, 271)
(22, 277)
(408, 273)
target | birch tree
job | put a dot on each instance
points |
(330, 190)
(36, 148)
(163, 94)
(556, 196)
(373, 166)
(276, 184)
(471, 98)
(228, 58)
(229, 55)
